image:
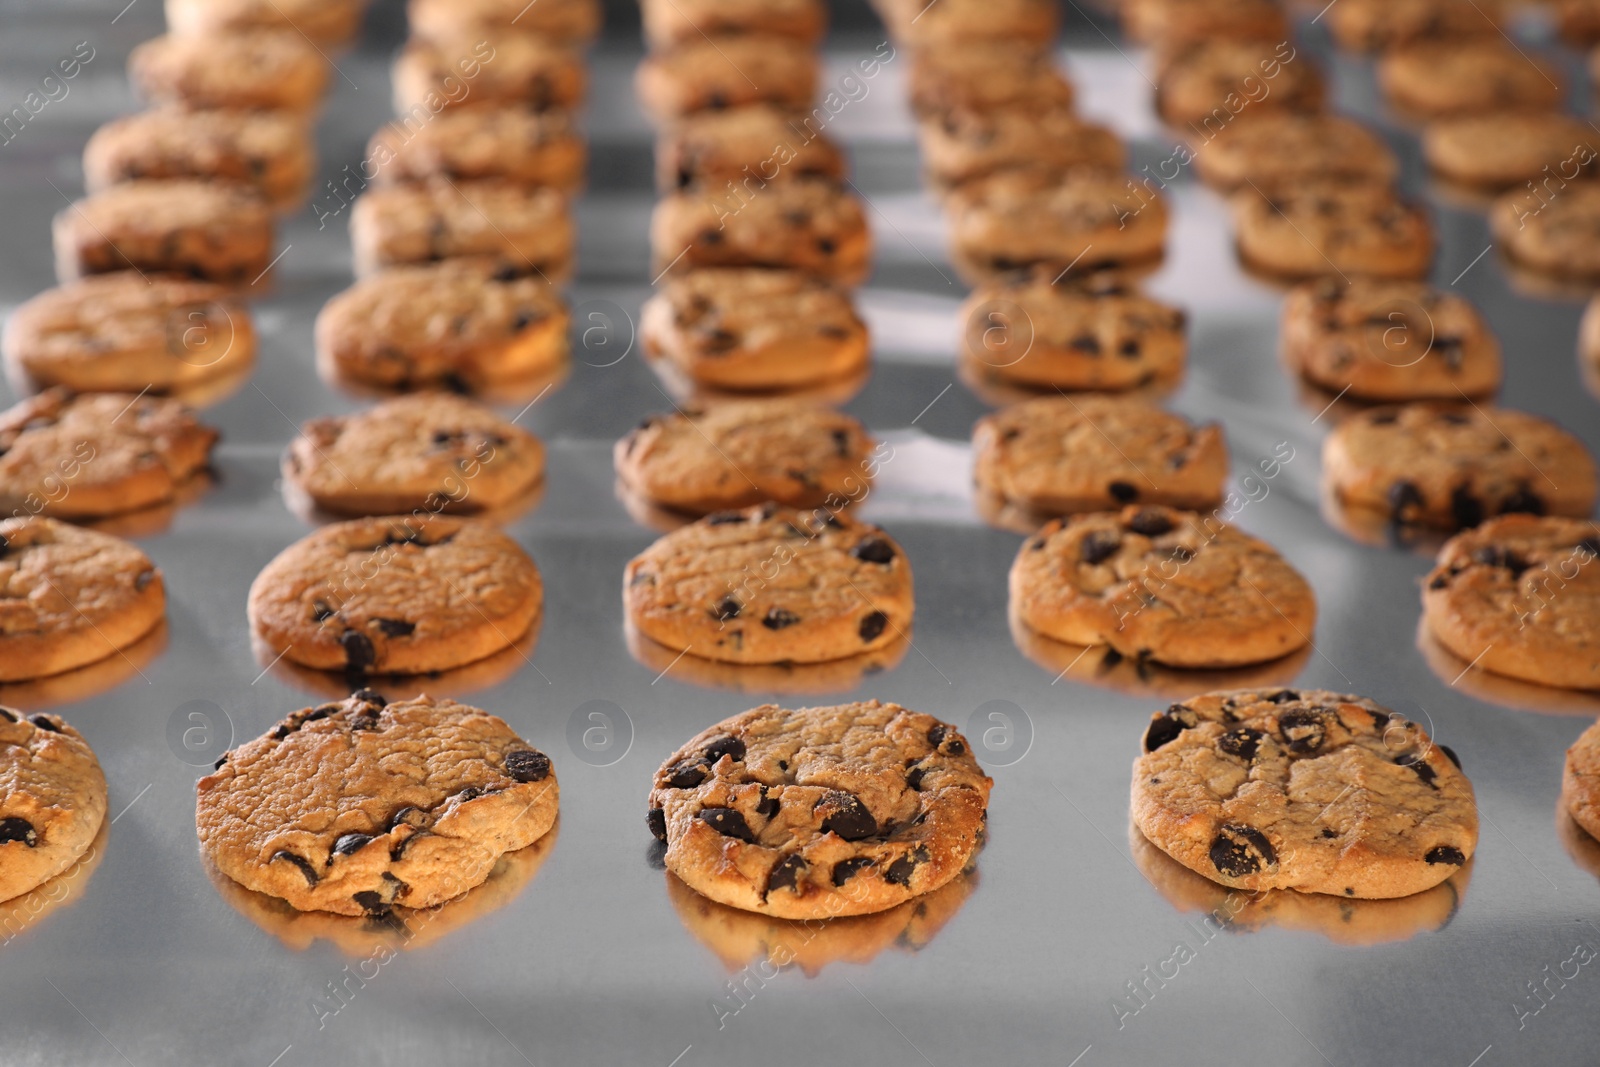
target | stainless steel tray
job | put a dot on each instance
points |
(595, 960)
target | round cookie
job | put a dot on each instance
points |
(429, 451)
(756, 144)
(1580, 781)
(565, 21)
(523, 230)
(986, 75)
(1162, 21)
(52, 799)
(1380, 25)
(1432, 79)
(1316, 229)
(712, 74)
(820, 812)
(70, 597)
(1389, 340)
(400, 595)
(1308, 790)
(673, 22)
(1520, 596)
(771, 585)
(267, 70)
(320, 21)
(270, 152)
(1075, 222)
(501, 69)
(1043, 335)
(98, 454)
(1284, 149)
(746, 329)
(1498, 149)
(736, 453)
(1206, 85)
(221, 233)
(123, 333)
(1059, 454)
(959, 146)
(458, 323)
(358, 806)
(1171, 587)
(1449, 467)
(807, 224)
(514, 144)
(955, 25)
(1555, 235)
(1589, 338)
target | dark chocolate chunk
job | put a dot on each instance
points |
(874, 550)
(45, 722)
(728, 823)
(899, 872)
(1088, 344)
(1465, 507)
(786, 874)
(1303, 729)
(395, 627)
(1242, 742)
(349, 843)
(724, 746)
(727, 608)
(1149, 522)
(944, 739)
(16, 828)
(1099, 546)
(767, 806)
(656, 820)
(687, 773)
(1238, 850)
(872, 625)
(1284, 696)
(1123, 492)
(1403, 496)
(845, 870)
(1445, 854)
(299, 861)
(1420, 765)
(528, 765)
(778, 619)
(358, 651)
(371, 696)
(371, 902)
(1450, 754)
(1522, 501)
(844, 814)
(1167, 726)
(321, 612)
(914, 777)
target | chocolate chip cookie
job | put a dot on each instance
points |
(986, 76)
(326, 22)
(704, 458)
(820, 812)
(1520, 596)
(1451, 467)
(514, 144)
(807, 225)
(565, 21)
(1327, 228)
(459, 323)
(498, 69)
(1557, 235)
(1389, 340)
(429, 451)
(1172, 587)
(673, 22)
(124, 333)
(266, 70)
(358, 806)
(956, 24)
(959, 146)
(1060, 454)
(1498, 149)
(711, 74)
(749, 330)
(747, 146)
(771, 584)
(1431, 79)
(529, 231)
(1206, 85)
(1580, 781)
(52, 799)
(221, 233)
(1040, 334)
(98, 454)
(1381, 25)
(1171, 21)
(1286, 149)
(1303, 789)
(70, 597)
(1077, 222)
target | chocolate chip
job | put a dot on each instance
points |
(687, 773)
(724, 746)
(1590, 545)
(1420, 765)
(1242, 742)
(767, 806)
(826, 246)
(321, 612)
(1088, 344)
(1167, 726)
(45, 723)
(844, 814)
(370, 696)
(872, 626)
(321, 711)
(656, 820)
(1129, 349)
(899, 872)
(348, 844)
(1445, 854)
(1303, 729)
(371, 902)
(1329, 832)
(1098, 547)
(779, 619)
(1239, 850)
(914, 777)
(1439, 582)
(1403, 496)
(217, 766)
(14, 828)
(1123, 492)
(413, 817)
(395, 627)
(874, 550)
(786, 874)
(1450, 754)
(1149, 522)
(1522, 501)
(299, 861)
(845, 870)
(1283, 696)
(728, 823)
(5, 546)
(8, 715)
(945, 739)
(725, 609)
(1465, 508)
(358, 652)
(1496, 556)
(528, 765)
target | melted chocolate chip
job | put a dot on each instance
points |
(1238, 850)
(1523, 501)
(1445, 854)
(395, 627)
(1099, 546)
(413, 817)
(899, 872)
(914, 777)
(728, 823)
(1167, 726)
(845, 870)
(1283, 696)
(299, 861)
(348, 844)
(358, 651)
(1403, 497)
(872, 626)
(371, 902)
(656, 820)
(1450, 754)
(944, 738)
(528, 765)
(724, 746)
(321, 612)
(727, 608)
(687, 773)
(1303, 729)
(779, 619)
(46, 723)
(1149, 522)
(767, 806)
(1123, 492)
(8, 715)
(1420, 765)
(1495, 556)
(370, 696)
(1465, 507)
(874, 550)
(845, 815)
(786, 874)
(15, 828)
(1242, 742)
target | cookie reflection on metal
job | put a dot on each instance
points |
(833, 676)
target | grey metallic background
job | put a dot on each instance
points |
(590, 963)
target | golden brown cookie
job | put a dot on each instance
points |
(746, 146)
(1059, 454)
(428, 451)
(1303, 789)
(1207, 85)
(1389, 340)
(326, 22)
(1580, 781)
(705, 458)
(1519, 595)
(1498, 149)
(52, 799)
(70, 597)
(820, 812)
(1328, 228)
(402, 595)
(221, 233)
(358, 806)
(957, 23)
(1172, 587)
(1431, 79)
(959, 146)
(1286, 149)
(1452, 467)
(1169, 21)
(702, 74)
(564, 21)
(673, 22)
(986, 75)
(807, 225)
(467, 144)
(1380, 25)
(529, 231)
(248, 69)
(97, 454)
(471, 68)
(125, 333)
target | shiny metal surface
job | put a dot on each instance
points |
(590, 960)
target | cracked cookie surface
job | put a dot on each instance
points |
(221, 233)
